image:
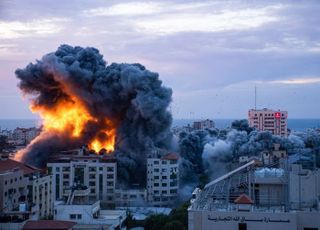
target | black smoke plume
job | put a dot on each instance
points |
(129, 95)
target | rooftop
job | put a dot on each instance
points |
(9, 165)
(243, 199)
(48, 224)
(170, 156)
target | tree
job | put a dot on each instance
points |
(174, 225)
(156, 222)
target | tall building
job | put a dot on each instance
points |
(203, 124)
(25, 189)
(162, 179)
(80, 167)
(269, 120)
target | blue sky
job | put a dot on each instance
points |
(211, 53)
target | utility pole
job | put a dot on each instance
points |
(255, 97)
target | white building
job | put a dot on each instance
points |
(23, 136)
(86, 212)
(131, 197)
(269, 120)
(162, 179)
(98, 173)
(42, 195)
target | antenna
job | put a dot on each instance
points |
(255, 97)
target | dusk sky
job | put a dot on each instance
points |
(211, 53)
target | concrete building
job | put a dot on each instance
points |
(98, 173)
(23, 136)
(162, 179)
(269, 120)
(24, 191)
(131, 197)
(86, 212)
(203, 124)
(251, 197)
(42, 195)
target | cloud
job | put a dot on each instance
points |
(39, 27)
(164, 19)
(209, 22)
(297, 81)
(125, 9)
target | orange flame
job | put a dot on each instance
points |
(105, 139)
(66, 115)
(70, 118)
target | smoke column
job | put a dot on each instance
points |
(84, 101)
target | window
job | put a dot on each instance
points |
(156, 177)
(242, 226)
(65, 169)
(92, 169)
(164, 184)
(156, 162)
(79, 216)
(164, 162)
(156, 170)
(156, 184)
(173, 191)
(92, 183)
(110, 169)
(110, 176)
(164, 177)
(72, 216)
(57, 169)
(164, 170)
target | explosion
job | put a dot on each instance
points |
(121, 108)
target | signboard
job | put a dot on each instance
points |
(277, 115)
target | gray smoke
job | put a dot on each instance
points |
(207, 154)
(129, 95)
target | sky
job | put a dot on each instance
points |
(211, 53)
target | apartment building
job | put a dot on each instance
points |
(203, 124)
(25, 189)
(81, 167)
(269, 120)
(131, 197)
(162, 179)
(42, 195)
(24, 136)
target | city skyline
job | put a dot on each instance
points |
(211, 53)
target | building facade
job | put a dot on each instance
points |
(269, 120)
(270, 198)
(42, 195)
(131, 197)
(162, 180)
(203, 124)
(98, 173)
(25, 189)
